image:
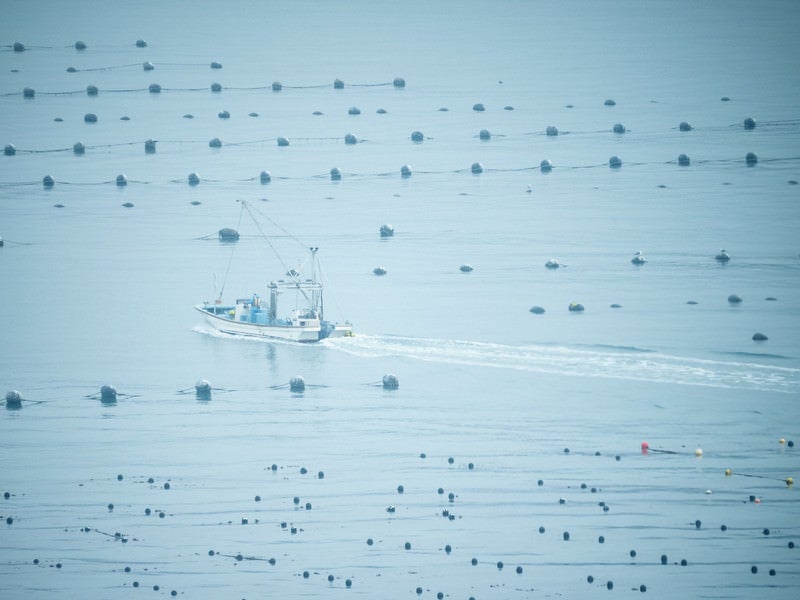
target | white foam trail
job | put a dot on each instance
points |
(630, 364)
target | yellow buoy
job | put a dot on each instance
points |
(728, 472)
(698, 452)
(781, 441)
(789, 481)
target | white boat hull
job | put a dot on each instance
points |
(294, 333)
(312, 332)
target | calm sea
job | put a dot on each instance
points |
(508, 463)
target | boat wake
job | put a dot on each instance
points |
(610, 362)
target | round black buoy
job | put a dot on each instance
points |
(141, 44)
(684, 126)
(9, 150)
(215, 143)
(283, 141)
(390, 382)
(734, 299)
(759, 337)
(150, 146)
(203, 391)
(478, 107)
(92, 90)
(476, 168)
(224, 114)
(387, 230)
(417, 136)
(618, 128)
(336, 174)
(350, 139)
(750, 159)
(216, 87)
(545, 166)
(90, 118)
(148, 66)
(265, 177)
(537, 310)
(684, 160)
(615, 162)
(551, 130)
(405, 171)
(193, 179)
(78, 148)
(484, 134)
(379, 271)
(297, 384)
(108, 393)
(353, 110)
(399, 82)
(121, 180)
(338, 84)
(228, 234)
(154, 88)
(13, 399)
(576, 307)
(48, 182)
(749, 123)
(467, 268)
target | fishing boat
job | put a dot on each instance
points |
(251, 316)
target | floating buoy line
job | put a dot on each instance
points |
(336, 174)
(214, 87)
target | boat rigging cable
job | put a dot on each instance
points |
(292, 273)
(230, 260)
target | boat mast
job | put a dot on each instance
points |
(316, 290)
(273, 301)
